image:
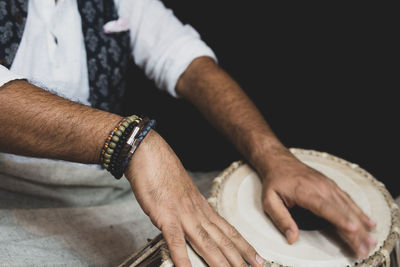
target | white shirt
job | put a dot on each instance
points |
(161, 45)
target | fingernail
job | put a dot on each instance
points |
(363, 251)
(259, 259)
(289, 235)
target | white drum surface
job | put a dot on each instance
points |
(239, 202)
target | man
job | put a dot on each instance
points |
(78, 49)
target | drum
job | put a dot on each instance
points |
(236, 196)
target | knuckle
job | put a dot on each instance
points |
(209, 225)
(197, 205)
(268, 201)
(227, 243)
(188, 206)
(250, 252)
(301, 191)
(233, 233)
(216, 218)
(205, 238)
(282, 222)
(315, 201)
(202, 233)
(176, 241)
(170, 227)
(210, 245)
(307, 188)
(321, 205)
(355, 229)
(326, 191)
(243, 264)
(349, 227)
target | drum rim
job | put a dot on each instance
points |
(382, 255)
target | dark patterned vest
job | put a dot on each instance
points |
(107, 54)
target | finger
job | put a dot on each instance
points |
(333, 208)
(276, 209)
(326, 203)
(358, 240)
(225, 244)
(368, 222)
(204, 245)
(174, 236)
(245, 249)
(361, 240)
(367, 241)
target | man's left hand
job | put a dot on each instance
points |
(288, 182)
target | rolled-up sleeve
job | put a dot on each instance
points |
(7, 76)
(162, 45)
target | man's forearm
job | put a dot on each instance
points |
(37, 123)
(228, 108)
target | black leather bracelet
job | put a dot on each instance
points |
(126, 158)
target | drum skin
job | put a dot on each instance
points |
(236, 196)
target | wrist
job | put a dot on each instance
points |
(268, 153)
(143, 155)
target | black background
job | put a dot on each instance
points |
(324, 76)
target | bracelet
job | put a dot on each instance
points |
(128, 144)
(118, 148)
(137, 141)
(113, 138)
(122, 142)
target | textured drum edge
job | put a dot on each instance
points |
(156, 244)
(382, 256)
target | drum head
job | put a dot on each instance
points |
(236, 195)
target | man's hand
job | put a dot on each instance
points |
(288, 182)
(172, 201)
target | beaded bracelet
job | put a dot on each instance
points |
(106, 153)
(112, 140)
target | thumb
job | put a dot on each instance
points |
(280, 216)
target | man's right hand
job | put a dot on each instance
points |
(169, 197)
(38, 123)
